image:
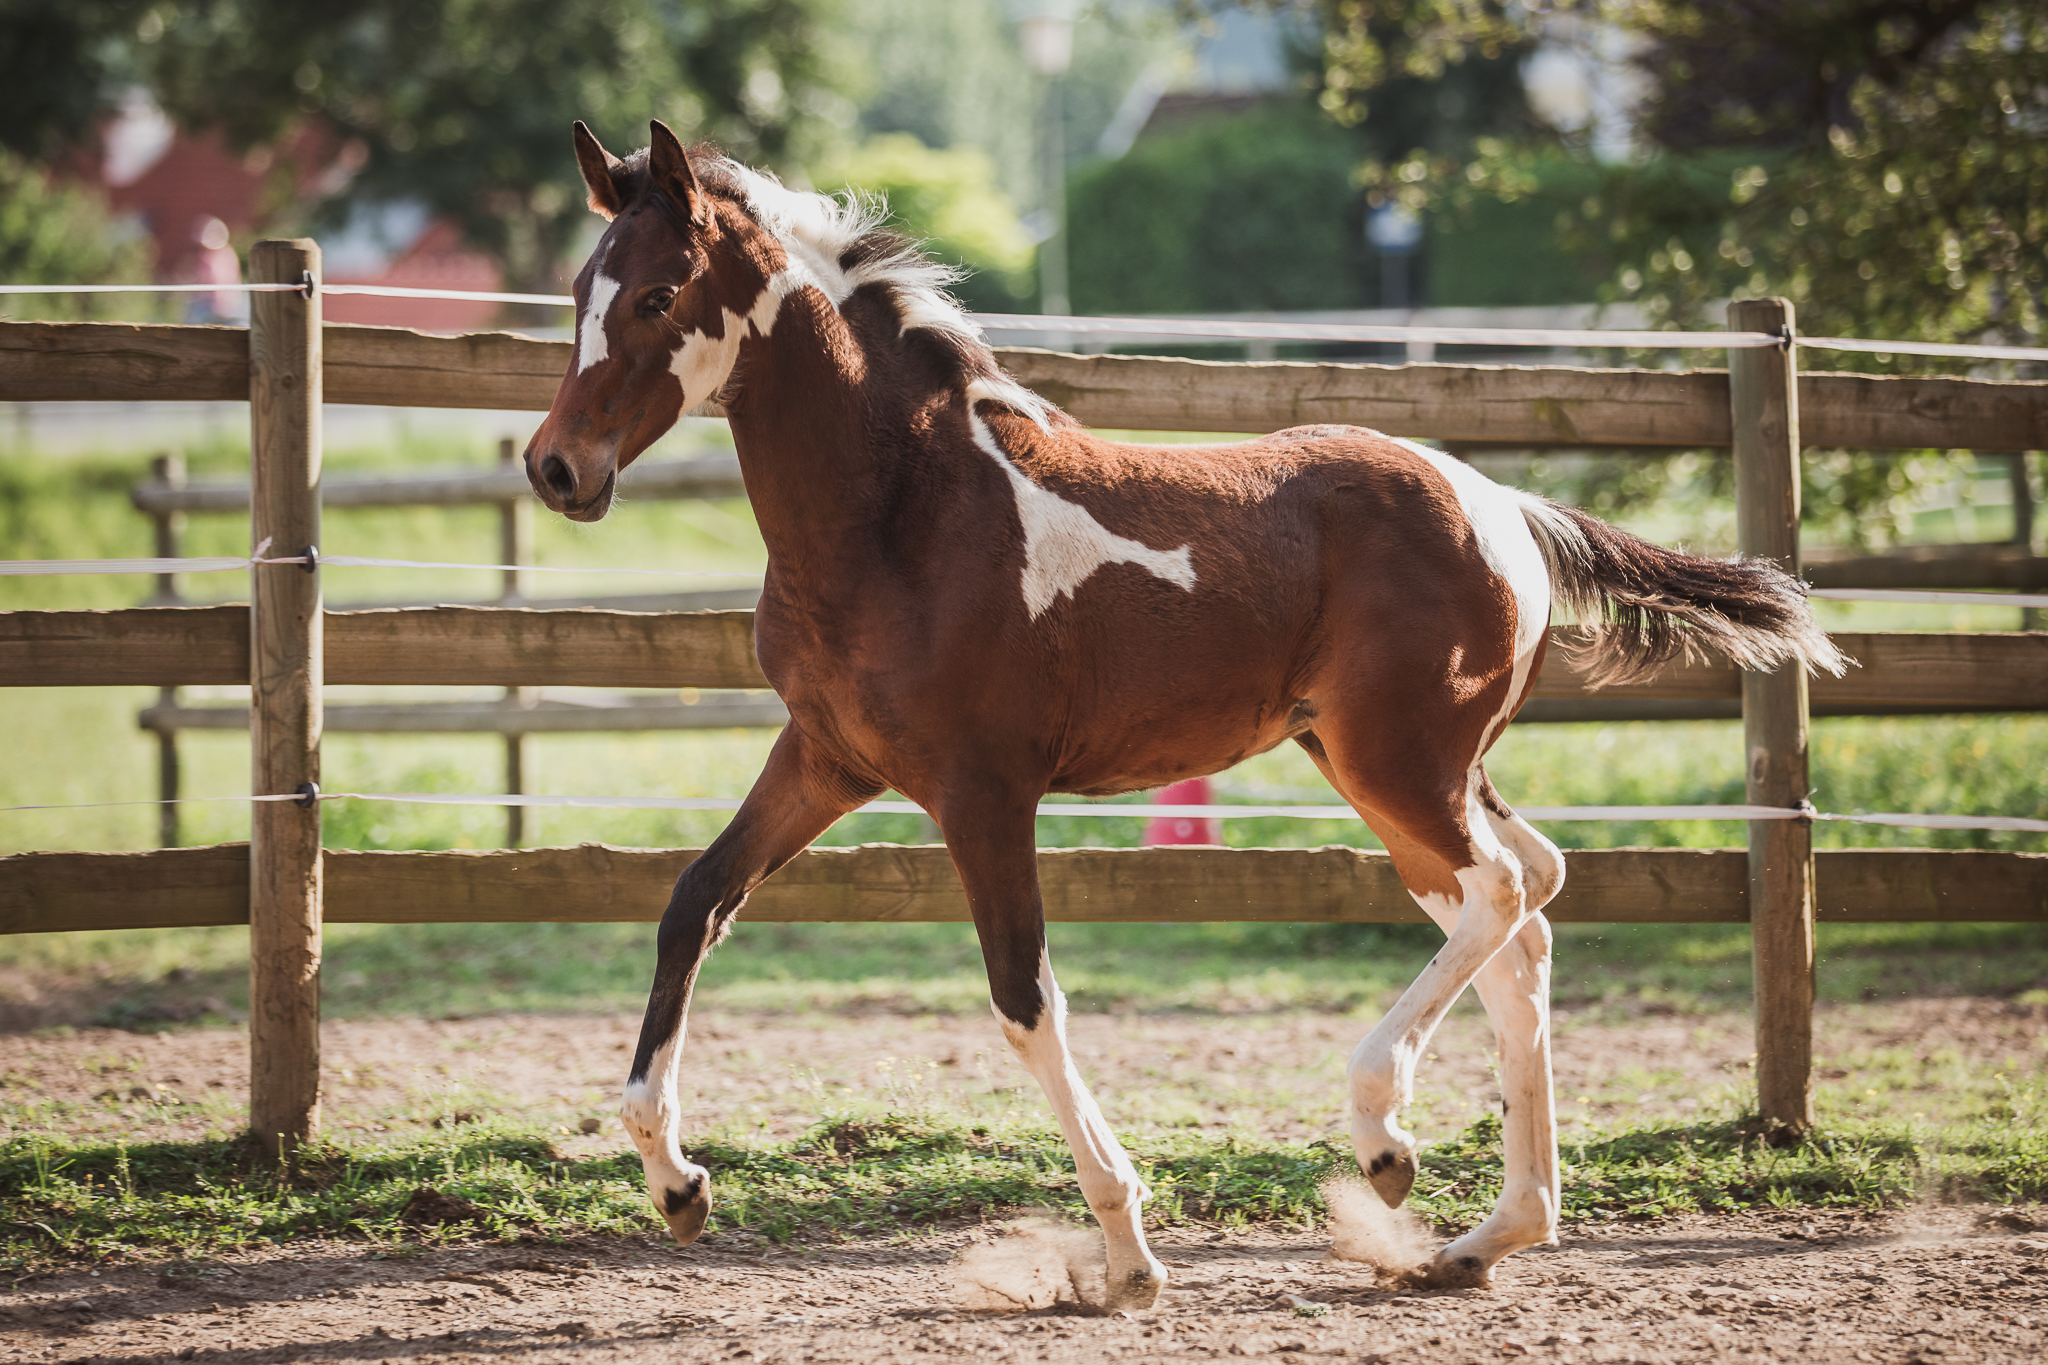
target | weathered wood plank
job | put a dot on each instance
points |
(1523, 405)
(464, 645)
(705, 476)
(1449, 402)
(1901, 672)
(2009, 567)
(285, 692)
(415, 645)
(164, 888)
(125, 362)
(148, 645)
(1764, 402)
(591, 883)
(715, 712)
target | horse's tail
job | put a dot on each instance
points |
(1644, 605)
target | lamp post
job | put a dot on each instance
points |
(1045, 32)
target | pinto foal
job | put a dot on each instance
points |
(973, 600)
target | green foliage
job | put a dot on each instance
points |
(1880, 165)
(1500, 251)
(947, 199)
(54, 233)
(1252, 212)
(466, 104)
(66, 63)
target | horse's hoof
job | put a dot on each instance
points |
(685, 1208)
(1456, 1272)
(1139, 1288)
(1391, 1175)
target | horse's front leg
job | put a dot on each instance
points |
(992, 840)
(796, 798)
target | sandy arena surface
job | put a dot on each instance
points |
(1946, 1285)
(1277, 1076)
(1927, 1285)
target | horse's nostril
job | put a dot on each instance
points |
(554, 472)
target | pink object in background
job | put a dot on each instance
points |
(1183, 829)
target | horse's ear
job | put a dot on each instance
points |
(672, 174)
(597, 166)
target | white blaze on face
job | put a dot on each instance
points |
(1063, 544)
(591, 345)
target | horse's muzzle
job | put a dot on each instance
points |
(556, 485)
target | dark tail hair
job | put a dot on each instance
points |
(1644, 605)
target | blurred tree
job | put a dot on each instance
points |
(57, 233)
(948, 200)
(1228, 213)
(67, 62)
(1881, 162)
(465, 105)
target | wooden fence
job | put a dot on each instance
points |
(287, 646)
(168, 497)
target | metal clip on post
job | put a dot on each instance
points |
(312, 564)
(309, 792)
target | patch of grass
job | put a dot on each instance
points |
(874, 1174)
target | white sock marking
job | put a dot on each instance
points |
(1063, 543)
(591, 345)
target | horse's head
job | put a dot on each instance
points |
(660, 309)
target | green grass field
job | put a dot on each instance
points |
(892, 1165)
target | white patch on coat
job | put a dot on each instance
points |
(1063, 544)
(591, 344)
(703, 363)
(1510, 550)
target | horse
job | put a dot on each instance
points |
(975, 601)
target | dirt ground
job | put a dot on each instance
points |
(1938, 1285)
(1277, 1076)
(1935, 1284)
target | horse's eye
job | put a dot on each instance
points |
(658, 301)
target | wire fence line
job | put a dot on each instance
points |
(29, 568)
(1545, 338)
(1142, 811)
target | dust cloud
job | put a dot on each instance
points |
(1395, 1242)
(1034, 1263)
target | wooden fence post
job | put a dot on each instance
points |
(285, 675)
(169, 470)
(515, 547)
(1763, 393)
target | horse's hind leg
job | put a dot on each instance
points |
(1515, 988)
(1482, 877)
(796, 798)
(992, 842)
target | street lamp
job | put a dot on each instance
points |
(1045, 32)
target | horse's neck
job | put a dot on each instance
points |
(803, 414)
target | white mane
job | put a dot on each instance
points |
(818, 232)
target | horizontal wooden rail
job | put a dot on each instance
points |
(470, 646)
(2006, 566)
(886, 883)
(706, 476)
(410, 646)
(715, 712)
(1509, 405)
